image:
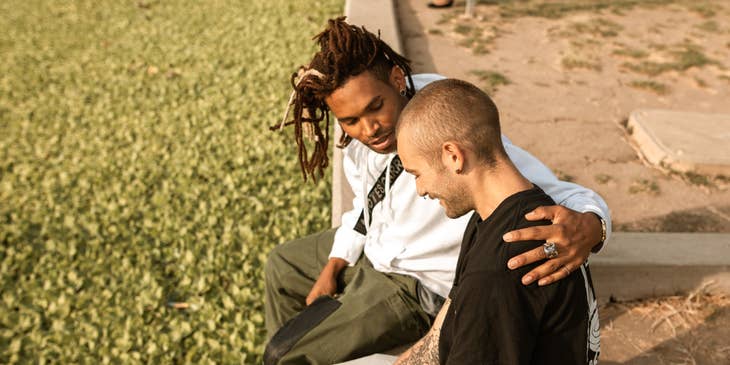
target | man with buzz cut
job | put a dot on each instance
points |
(449, 139)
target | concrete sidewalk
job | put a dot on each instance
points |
(633, 265)
(683, 141)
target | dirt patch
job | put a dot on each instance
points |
(566, 76)
(673, 330)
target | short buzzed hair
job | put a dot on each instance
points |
(453, 110)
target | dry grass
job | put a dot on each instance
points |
(490, 80)
(562, 175)
(572, 63)
(630, 52)
(670, 330)
(685, 56)
(710, 26)
(603, 178)
(644, 186)
(653, 86)
(597, 27)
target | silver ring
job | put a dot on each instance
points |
(550, 250)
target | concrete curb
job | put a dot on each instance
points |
(641, 265)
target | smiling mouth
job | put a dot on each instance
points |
(380, 140)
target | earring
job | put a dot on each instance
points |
(403, 92)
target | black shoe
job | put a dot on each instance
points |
(436, 6)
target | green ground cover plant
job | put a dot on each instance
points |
(138, 176)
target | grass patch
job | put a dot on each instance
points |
(562, 175)
(698, 179)
(137, 169)
(559, 9)
(447, 17)
(582, 43)
(603, 178)
(555, 9)
(597, 27)
(685, 57)
(650, 85)
(704, 8)
(644, 186)
(571, 63)
(694, 178)
(490, 80)
(649, 68)
(463, 29)
(690, 57)
(468, 42)
(631, 52)
(658, 46)
(475, 37)
(709, 26)
(481, 47)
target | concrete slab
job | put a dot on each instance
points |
(683, 141)
(374, 15)
(643, 265)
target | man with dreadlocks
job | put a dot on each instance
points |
(388, 296)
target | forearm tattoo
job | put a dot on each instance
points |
(426, 352)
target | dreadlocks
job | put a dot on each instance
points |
(345, 50)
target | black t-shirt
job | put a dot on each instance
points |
(495, 319)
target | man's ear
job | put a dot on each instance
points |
(452, 157)
(397, 78)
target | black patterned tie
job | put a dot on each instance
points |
(377, 193)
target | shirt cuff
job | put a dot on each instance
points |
(347, 246)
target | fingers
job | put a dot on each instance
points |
(553, 270)
(313, 296)
(547, 268)
(559, 274)
(551, 233)
(544, 212)
(310, 298)
(526, 258)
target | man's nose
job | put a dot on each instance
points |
(371, 127)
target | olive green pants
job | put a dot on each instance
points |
(378, 312)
